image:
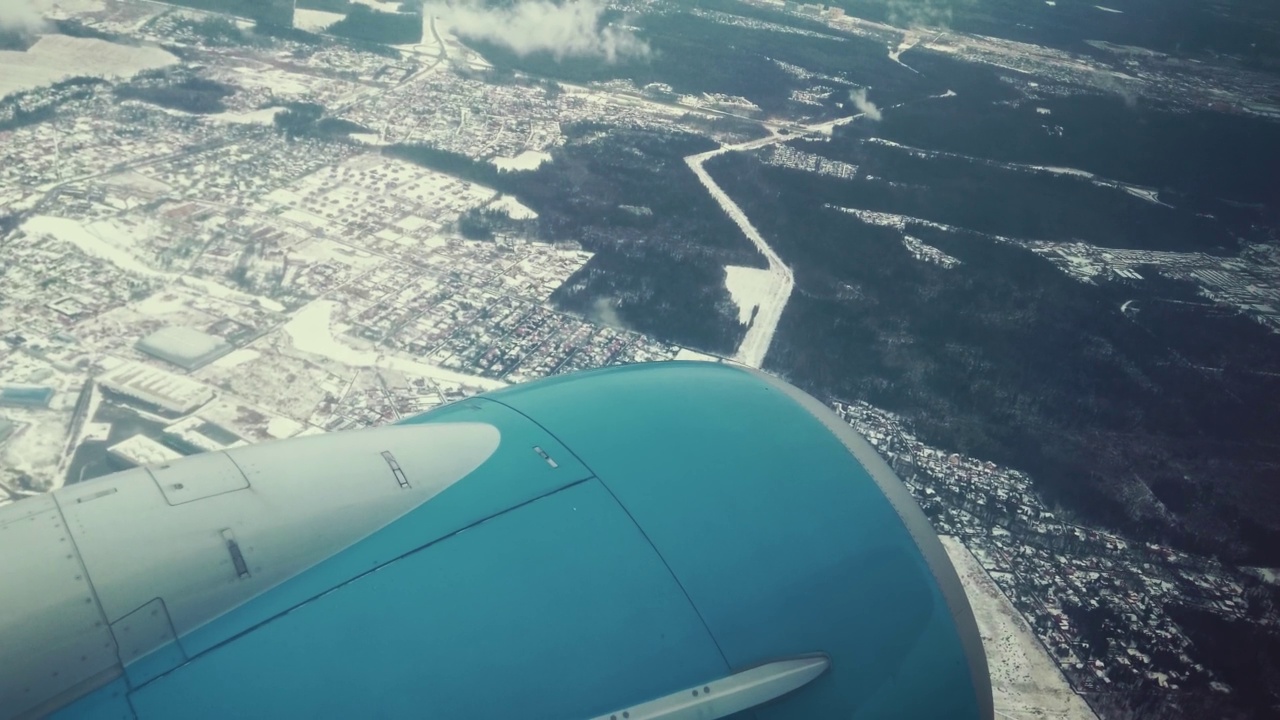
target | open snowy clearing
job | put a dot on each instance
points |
(265, 116)
(315, 20)
(513, 208)
(1025, 681)
(312, 331)
(755, 344)
(749, 288)
(527, 160)
(102, 239)
(56, 57)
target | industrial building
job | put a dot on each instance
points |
(30, 396)
(184, 347)
(163, 390)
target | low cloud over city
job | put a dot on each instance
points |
(21, 15)
(569, 29)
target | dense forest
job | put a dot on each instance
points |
(989, 197)
(23, 108)
(1202, 162)
(1246, 30)
(364, 23)
(177, 90)
(1006, 358)
(660, 241)
(275, 12)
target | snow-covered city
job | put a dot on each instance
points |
(216, 234)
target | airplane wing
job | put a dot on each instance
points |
(677, 540)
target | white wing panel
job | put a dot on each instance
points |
(163, 550)
(54, 642)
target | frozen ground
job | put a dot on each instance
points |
(755, 344)
(527, 160)
(55, 57)
(1025, 681)
(102, 239)
(314, 20)
(513, 208)
(749, 287)
(37, 444)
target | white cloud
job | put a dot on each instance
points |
(923, 13)
(569, 29)
(22, 15)
(865, 106)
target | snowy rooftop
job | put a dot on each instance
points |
(183, 346)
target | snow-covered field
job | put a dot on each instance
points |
(314, 20)
(103, 239)
(749, 287)
(773, 298)
(513, 208)
(265, 116)
(56, 57)
(527, 160)
(1025, 681)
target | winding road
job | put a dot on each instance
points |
(755, 344)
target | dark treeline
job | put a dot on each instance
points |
(364, 23)
(986, 197)
(18, 109)
(177, 90)
(16, 40)
(455, 164)
(660, 241)
(695, 55)
(1245, 655)
(275, 12)
(1007, 358)
(1244, 29)
(335, 6)
(1197, 159)
(20, 39)
(304, 119)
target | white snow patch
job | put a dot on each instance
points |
(312, 331)
(687, 354)
(749, 287)
(1151, 196)
(1044, 111)
(1268, 575)
(315, 20)
(283, 427)
(56, 57)
(1110, 10)
(513, 208)
(1025, 680)
(98, 239)
(226, 293)
(265, 116)
(1062, 170)
(236, 357)
(527, 160)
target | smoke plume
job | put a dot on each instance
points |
(23, 16)
(573, 28)
(866, 107)
(605, 311)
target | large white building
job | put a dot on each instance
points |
(184, 347)
(172, 393)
